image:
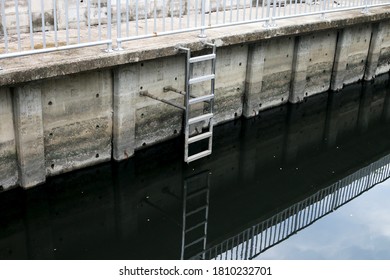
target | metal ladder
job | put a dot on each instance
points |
(191, 100)
(196, 196)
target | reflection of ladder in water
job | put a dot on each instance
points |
(192, 100)
(196, 191)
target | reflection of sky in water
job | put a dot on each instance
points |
(358, 230)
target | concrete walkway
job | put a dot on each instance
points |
(41, 66)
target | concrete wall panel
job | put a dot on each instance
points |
(384, 57)
(8, 166)
(351, 55)
(268, 75)
(154, 120)
(125, 96)
(77, 121)
(312, 64)
(230, 82)
(29, 134)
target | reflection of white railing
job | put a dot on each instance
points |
(36, 26)
(260, 237)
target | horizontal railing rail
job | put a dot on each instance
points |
(38, 26)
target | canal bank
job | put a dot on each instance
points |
(263, 171)
(73, 109)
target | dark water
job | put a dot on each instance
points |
(297, 182)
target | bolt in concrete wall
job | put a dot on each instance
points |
(351, 55)
(77, 121)
(269, 75)
(8, 166)
(312, 64)
(29, 135)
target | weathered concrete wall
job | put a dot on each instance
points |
(384, 57)
(351, 55)
(268, 75)
(230, 82)
(77, 121)
(29, 134)
(379, 51)
(140, 120)
(69, 121)
(8, 166)
(312, 64)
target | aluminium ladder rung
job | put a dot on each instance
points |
(202, 58)
(195, 241)
(195, 226)
(204, 117)
(196, 193)
(196, 210)
(200, 137)
(201, 79)
(199, 155)
(201, 99)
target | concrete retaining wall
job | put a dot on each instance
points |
(63, 123)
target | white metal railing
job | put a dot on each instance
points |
(258, 238)
(36, 26)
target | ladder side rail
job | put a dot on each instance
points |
(184, 219)
(213, 67)
(187, 98)
(206, 214)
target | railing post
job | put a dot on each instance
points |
(4, 23)
(118, 26)
(323, 15)
(273, 23)
(270, 22)
(109, 26)
(203, 20)
(266, 23)
(365, 9)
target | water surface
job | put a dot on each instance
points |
(296, 182)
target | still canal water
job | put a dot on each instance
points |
(297, 182)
